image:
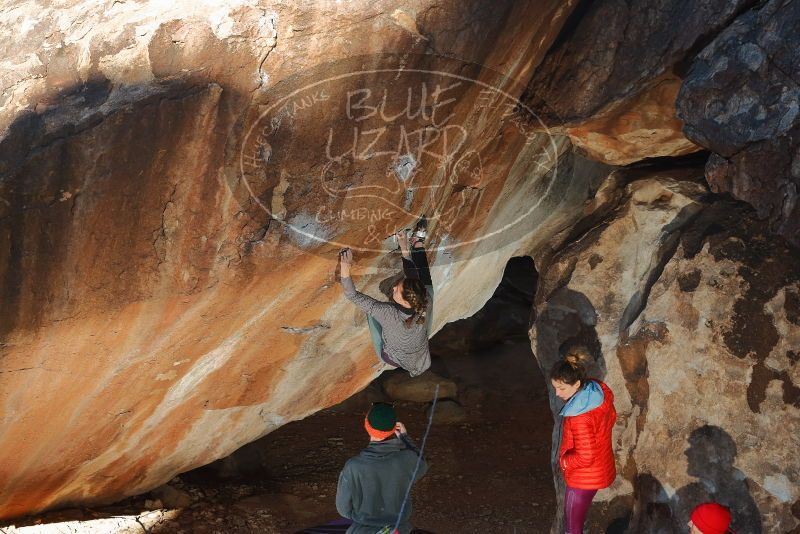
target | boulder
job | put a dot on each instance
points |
(740, 89)
(610, 80)
(400, 386)
(741, 100)
(687, 309)
(172, 497)
(644, 126)
(611, 51)
(448, 412)
(175, 182)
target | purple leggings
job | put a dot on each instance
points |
(576, 504)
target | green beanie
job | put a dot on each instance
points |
(382, 417)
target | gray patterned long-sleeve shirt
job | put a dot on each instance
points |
(408, 346)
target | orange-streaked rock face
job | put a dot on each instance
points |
(168, 287)
(643, 127)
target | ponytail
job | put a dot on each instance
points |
(416, 294)
(571, 369)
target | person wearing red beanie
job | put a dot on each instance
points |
(710, 518)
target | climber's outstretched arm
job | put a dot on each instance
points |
(380, 311)
(402, 240)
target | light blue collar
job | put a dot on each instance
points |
(589, 397)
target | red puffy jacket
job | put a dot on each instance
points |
(586, 455)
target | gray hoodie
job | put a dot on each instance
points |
(373, 484)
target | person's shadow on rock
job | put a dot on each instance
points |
(711, 456)
(651, 509)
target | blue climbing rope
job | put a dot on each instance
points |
(419, 461)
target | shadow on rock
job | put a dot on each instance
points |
(711, 455)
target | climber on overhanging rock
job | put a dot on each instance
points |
(373, 486)
(585, 455)
(710, 518)
(399, 329)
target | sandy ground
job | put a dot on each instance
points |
(489, 474)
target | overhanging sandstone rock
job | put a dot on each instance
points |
(162, 307)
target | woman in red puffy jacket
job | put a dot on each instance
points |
(585, 455)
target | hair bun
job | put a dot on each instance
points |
(571, 368)
(575, 359)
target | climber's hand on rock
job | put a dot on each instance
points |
(402, 240)
(400, 429)
(345, 261)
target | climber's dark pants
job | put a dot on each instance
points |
(420, 259)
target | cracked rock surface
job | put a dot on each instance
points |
(665, 298)
(741, 99)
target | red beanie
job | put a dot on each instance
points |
(712, 518)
